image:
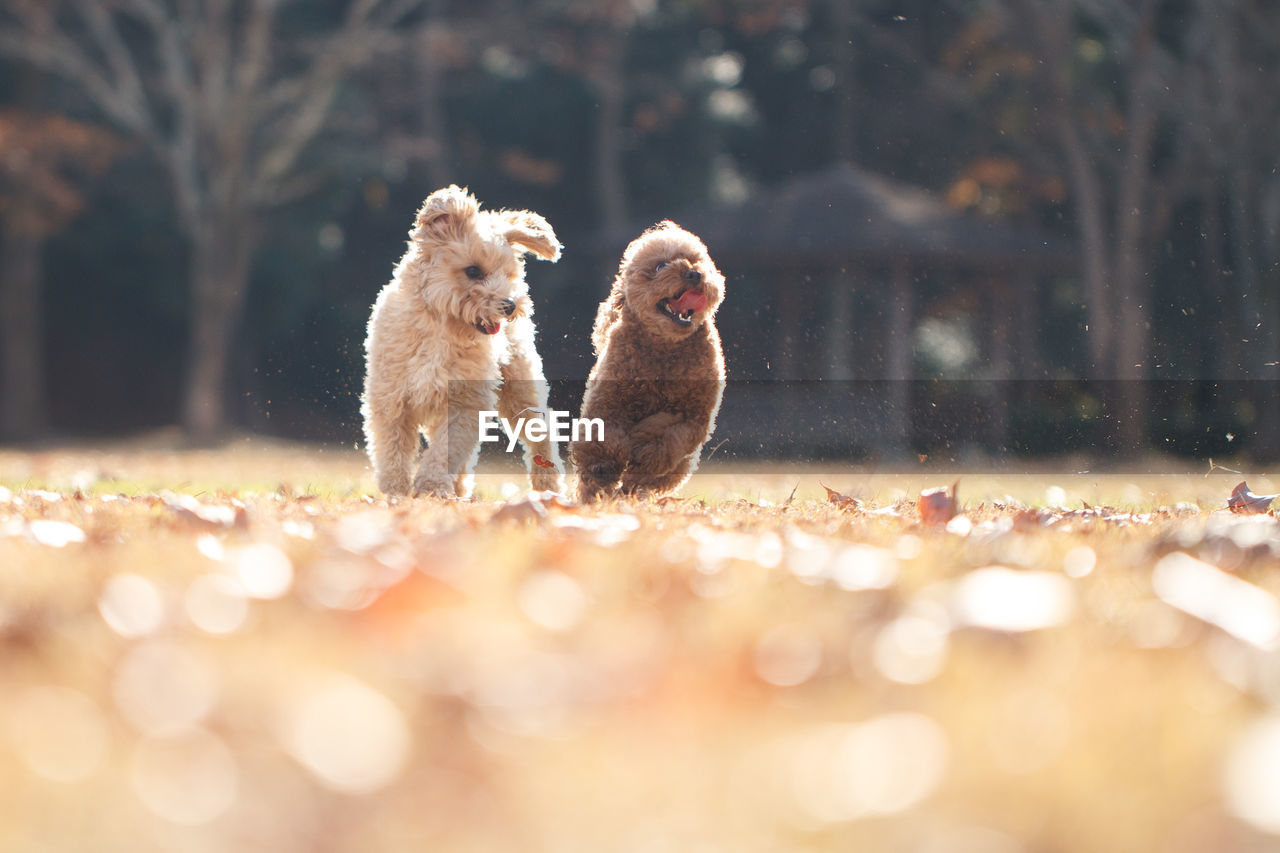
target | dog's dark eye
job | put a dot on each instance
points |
(474, 272)
(660, 266)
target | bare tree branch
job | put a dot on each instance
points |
(57, 54)
(123, 69)
(360, 39)
(255, 59)
(207, 93)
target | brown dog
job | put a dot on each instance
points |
(659, 371)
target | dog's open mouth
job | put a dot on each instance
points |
(682, 308)
(488, 328)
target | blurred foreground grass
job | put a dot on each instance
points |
(247, 650)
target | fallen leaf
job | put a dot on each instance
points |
(1029, 518)
(1244, 501)
(54, 534)
(938, 506)
(842, 501)
(521, 511)
(605, 530)
(554, 500)
(197, 514)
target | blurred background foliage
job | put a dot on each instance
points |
(199, 201)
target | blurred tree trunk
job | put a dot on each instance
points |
(610, 86)
(1227, 109)
(1244, 65)
(1110, 198)
(220, 265)
(22, 390)
(43, 161)
(1052, 28)
(1132, 258)
(900, 351)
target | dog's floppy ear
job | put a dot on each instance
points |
(530, 232)
(446, 214)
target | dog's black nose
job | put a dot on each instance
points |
(693, 276)
(508, 307)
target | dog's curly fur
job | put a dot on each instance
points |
(450, 335)
(659, 373)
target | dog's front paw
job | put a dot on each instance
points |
(393, 484)
(546, 480)
(435, 487)
(598, 480)
(607, 472)
(591, 491)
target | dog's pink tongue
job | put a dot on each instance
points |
(690, 300)
(492, 328)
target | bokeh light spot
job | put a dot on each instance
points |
(58, 732)
(881, 767)
(912, 649)
(552, 600)
(859, 567)
(1079, 561)
(1244, 611)
(216, 604)
(188, 777)
(131, 605)
(1002, 599)
(263, 570)
(1252, 783)
(788, 655)
(352, 738)
(160, 687)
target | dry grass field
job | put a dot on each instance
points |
(247, 650)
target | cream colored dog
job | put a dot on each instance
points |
(451, 335)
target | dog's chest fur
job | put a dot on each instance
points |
(662, 376)
(426, 353)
